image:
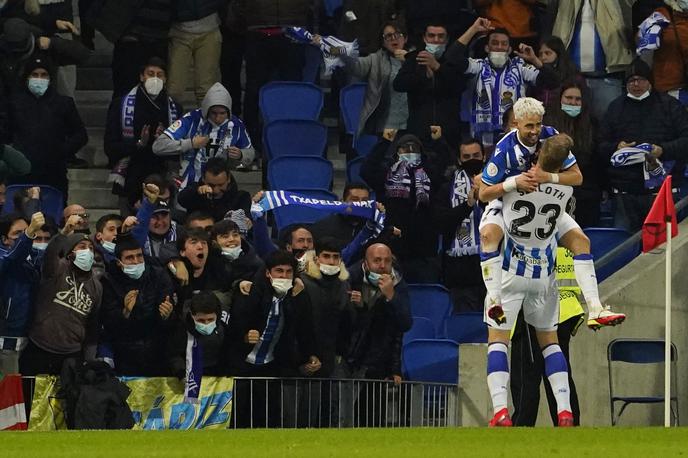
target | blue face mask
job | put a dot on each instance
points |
(435, 49)
(411, 158)
(108, 246)
(38, 86)
(134, 271)
(83, 259)
(205, 329)
(571, 110)
(374, 278)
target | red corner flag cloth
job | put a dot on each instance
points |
(654, 227)
(12, 411)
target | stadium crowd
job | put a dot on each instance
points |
(191, 254)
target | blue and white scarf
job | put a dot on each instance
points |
(301, 35)
(638, 154)
(194, 369)
(650, 32)
(364, 209)
(495, 93)
(263, 351)
(467, 239)
(398, 183)
(119, 172)
(195, 159)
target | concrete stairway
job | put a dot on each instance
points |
(89, 187)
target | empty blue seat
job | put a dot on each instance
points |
(432, 302)
(52, 200)
(296, 214)
(351, 102)
(422, 328)
(604, 239)
(353, 170)
(300, 172)
(467, 327)
(290, 100)
(364, 144)
(295, 137)
(431, 360)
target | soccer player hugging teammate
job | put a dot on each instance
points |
(528, 281)
(509, 171)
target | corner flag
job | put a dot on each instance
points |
(662, 211)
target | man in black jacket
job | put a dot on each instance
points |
(217, 194)
(434, 86)
(272, 335)
(45, 126)
(137, 306)
(342, 227)
(657, 125)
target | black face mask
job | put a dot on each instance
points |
(472, 166)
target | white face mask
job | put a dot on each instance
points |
(108, 246)
(326, 269)
(435, 49)
(281, 286)
(40, 246)
(231, 253)
(411, 158)
(153, 86)
(498, 59)
(640, 97)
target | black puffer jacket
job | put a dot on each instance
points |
(137, 341)
(660, 120)
(192, 10)
(267, 13)
(378, 328)
(232, 199)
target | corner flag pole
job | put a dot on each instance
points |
(667, 328)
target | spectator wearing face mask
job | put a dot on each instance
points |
(217, 193)
(135, 120)
(240, 260)
(495, 90)
(136, 311)
(104, 238)
(272, 335)
(19, 275)
(204, 133)
(45, 127)
(570, 114)
(553, 54)
(206, 320)
(458, 212)
(433, 85)
(66, 319)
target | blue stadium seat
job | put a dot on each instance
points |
(364, 144)
(353, 170)
(431, 360)
(432, 302)
(351, 102)
(294, 214)
(640, 351)
(605, 239)
(52, 200)
(290, 100)
(302, 172)
(422, 328)
(467, 327)
(295, 137)
(331, 6)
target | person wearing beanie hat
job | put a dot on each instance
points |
(66, 323)
(134, 121)
(45, 126)
(204, 133)
(645, 124)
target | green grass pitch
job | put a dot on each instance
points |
(416, 442)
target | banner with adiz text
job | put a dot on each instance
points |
(156, 403)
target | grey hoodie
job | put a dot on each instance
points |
(217, 95)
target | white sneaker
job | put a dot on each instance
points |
(605, 317)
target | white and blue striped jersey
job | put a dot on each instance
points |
(530, 221)
(511, 157)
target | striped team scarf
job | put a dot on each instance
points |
(467, 239)
(365, 209)
(196, 158)
(633, 155)
(194, 369)
(119, 172)
(327, 44)
(650, 31)
(490, 101)
(398, 183)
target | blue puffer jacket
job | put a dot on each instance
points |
(19, 276)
